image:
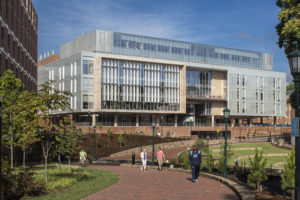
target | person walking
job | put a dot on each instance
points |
(195, 162)
(160, 158)
(133, 158)
(143, 160)
(82, 155)
(236, 162)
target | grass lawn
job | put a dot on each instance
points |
(74, 184)
(267, 148)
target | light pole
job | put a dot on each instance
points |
(294, 62)
(89, 119)
(226, 112)
(207, 138)
(95, 156)
(153, 127)
(141, 135)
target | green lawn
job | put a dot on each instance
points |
(74, 184)
(267, 148)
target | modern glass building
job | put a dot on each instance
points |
(127, 81)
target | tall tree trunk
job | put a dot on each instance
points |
(11, 156)
(24, 156)
(69, 161)
(59, 160)
(46, 173)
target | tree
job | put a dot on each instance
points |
(66, 139)
(121, 140)
(258, 171)
(288, 29)
(50, 100)
(10, 90)
(288, 175)
(27, 119)
(109, 133)
(221, 159)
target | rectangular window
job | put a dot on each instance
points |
(87, 101)
(75, 102)
(256, 108)
(52, 75)
(75, 86)
(63, 72)
(88, 84)
(257, 81)
(238, 79)
(59, 73)
(256, 95)
(274, 82)
(262, 81)
(63, 86)
(274, 95)
(244, 80)
(75, 69)
(237, 107)
(88, 67)
(71, 102)
(238, 93)
(71, 69)
(71, 85)
(261, 95)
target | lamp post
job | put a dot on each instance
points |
(95, 157)
(153, 127)
(141, 134)
(207, 138)
(89, 119)
(226, 112)
(294, 62)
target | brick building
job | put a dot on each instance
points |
(18, 40)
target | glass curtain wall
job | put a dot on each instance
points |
(198, 84)
(196, 115)
(129, 85)
(178, 50)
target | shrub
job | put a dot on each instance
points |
(184, 159)
(20, 182)
(221, 159)
(258, 171)
(109, 133)
(168, 134)
(173, 162)
(202, 145)
(288, 176)
(209, 162)
(121, 140)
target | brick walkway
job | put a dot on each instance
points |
(165, 185)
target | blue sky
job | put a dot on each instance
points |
(241, 24)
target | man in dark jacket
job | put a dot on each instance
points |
(195, 161)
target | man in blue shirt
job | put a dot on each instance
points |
(195, 161)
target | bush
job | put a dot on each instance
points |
(209, 162)
(20, 182)
(109, 133)
(258, 171)
(202, 145)
(121, 140)
(184, 159)
(288, 176)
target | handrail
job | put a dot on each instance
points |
(290, 188)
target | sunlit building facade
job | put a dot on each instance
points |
(128, 80)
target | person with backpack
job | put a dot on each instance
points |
(195, 162)
(143, 160)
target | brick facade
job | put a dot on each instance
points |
(18, 40)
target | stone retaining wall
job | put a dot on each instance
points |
(169, 145)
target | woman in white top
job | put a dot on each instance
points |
(143, 160)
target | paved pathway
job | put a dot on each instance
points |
(164, 185)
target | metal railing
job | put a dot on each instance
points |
(291, 188)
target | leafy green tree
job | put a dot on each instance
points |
(66, 139)
(27, 119)
(209, 161)
(10, 90)
(288, 29)
(50, 100)
(121, 140)
(202, 145)
(288, 176)
(258, 171)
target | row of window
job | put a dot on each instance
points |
(260, 81)
(276, 108)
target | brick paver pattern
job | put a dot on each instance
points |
(160, 185)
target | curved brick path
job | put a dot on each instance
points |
(165, 185)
